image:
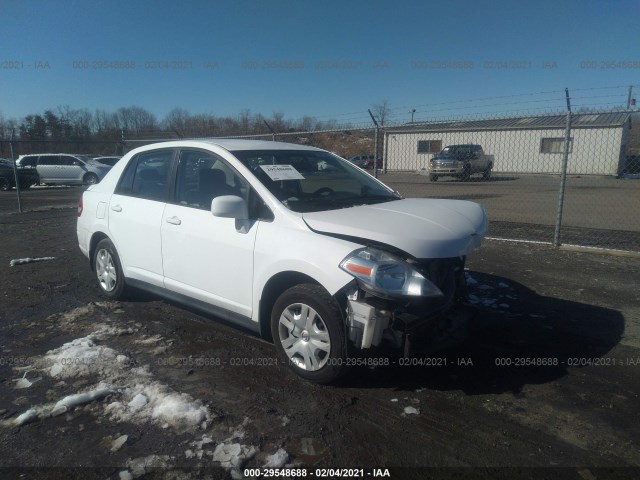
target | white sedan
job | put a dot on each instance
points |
(291, 241)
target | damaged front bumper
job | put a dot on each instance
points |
(416, 325)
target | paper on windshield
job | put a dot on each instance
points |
(281, 172)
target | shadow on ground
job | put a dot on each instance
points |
(533, 341)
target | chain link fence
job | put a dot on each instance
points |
(519, 175)
(517, 171)
(533, 188)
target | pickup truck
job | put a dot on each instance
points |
(7, 177)
(460, 161)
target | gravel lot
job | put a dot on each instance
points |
(547, 384)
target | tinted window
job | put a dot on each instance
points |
(29, 161)
(67, 160)
(49, 160)
(147, 175)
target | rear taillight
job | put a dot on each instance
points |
(80, 206)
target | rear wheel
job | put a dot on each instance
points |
(5, 184)
(308, 333)
(90, 179)
(108, 270)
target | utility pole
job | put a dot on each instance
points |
(412, 113)
(15, 173)
(629, 97)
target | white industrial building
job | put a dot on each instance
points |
(598, 146)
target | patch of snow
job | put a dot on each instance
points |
(118, 443)
(138, 402)
(285, 421)
(277, 460)
(485, 287)
(411, 411)
(233, 455)
(142, 399)
(125, 475)
(27, 417)
(149, 340)
(504, 305)
(142, 465)
(394, 399)
(503, 285)
(178, 409)
(71, 401)
(24, 382)
(22, 261)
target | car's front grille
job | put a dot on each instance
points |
(446, 273)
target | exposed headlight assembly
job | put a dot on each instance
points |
(382, 272)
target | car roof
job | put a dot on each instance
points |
(235, 144)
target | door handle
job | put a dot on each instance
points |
(174, 220)
(116, 208)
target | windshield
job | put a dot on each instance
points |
(456, 151)
(313, 181)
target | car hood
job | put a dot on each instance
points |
(423, 228)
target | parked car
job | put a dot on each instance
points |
(108, 160)
(289, 241)
(365, 161)
(27, 177)
(64, 169)
(460, 161)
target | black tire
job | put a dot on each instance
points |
(308, 333)
(108, 270)
(486, 174)
(5, 184)
(90, 179)
(433, 178)
(466, 174)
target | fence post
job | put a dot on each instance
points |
(375, 145)
(563, 172)
(15, 173)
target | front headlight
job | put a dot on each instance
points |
(385, 273)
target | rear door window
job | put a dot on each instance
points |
(49, 160)
(147, 175)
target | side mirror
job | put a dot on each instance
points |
(230, 206)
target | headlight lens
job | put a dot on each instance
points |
(385, 273)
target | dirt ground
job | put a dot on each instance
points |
(546, 385)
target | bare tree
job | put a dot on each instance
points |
(136, 119)
(381, 111)
(177, 121)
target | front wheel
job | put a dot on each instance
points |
(108, 270)
(308, 333)
(486, 174)
(466, 173)
(433, 178)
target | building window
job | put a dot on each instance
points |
(554, 145)
(429, 146)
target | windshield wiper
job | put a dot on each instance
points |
(365, 199)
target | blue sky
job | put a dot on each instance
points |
(327, 59)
